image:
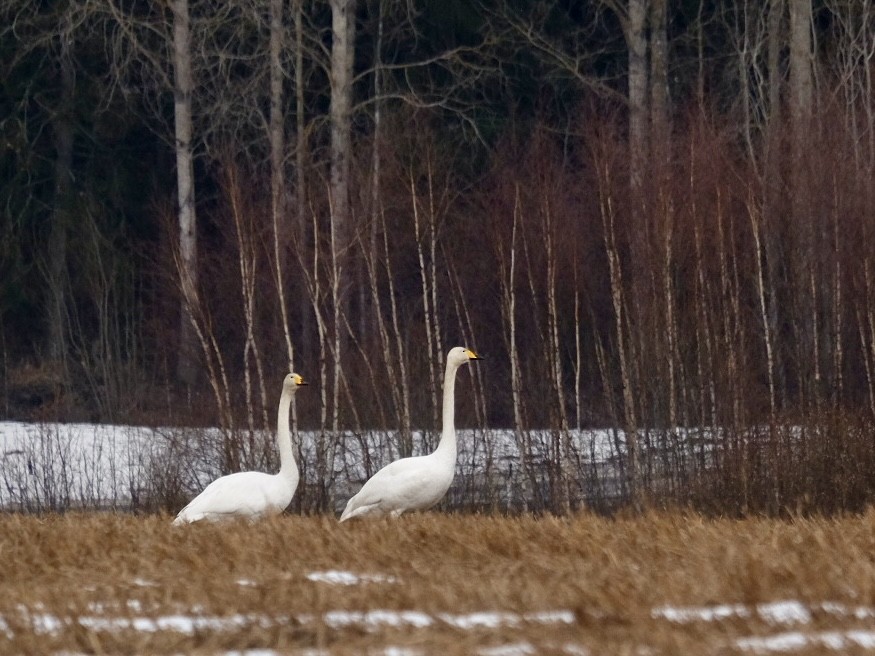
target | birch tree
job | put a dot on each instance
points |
(186, 368)
(340, 116)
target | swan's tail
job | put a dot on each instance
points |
(183, 518)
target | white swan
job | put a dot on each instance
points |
(415, 483)
(252, 494)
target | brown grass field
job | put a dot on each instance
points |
(444, 584)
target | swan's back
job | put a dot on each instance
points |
(244, 494)
(405, 485)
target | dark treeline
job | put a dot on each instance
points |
(645, 214)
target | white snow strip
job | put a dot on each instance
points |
(776, 612)
(45, 623)
(376, 618)
(486, 620)
(338, 577)
(551, 617)
(795, 640)
(497, 619)
(865, 639)
(784, 612)
(688, 614)
(100, 608)
(246, 583)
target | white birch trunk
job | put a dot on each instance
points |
(633, 474)
(186, 369)
(342, 53)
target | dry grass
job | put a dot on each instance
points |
(609, 573)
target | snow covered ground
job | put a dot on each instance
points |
(790, 620)
(61, 466)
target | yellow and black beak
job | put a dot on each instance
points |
(472, 355)
(299, 380)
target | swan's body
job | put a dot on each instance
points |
(415, 483)
(252, 494)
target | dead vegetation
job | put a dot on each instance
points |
(114, 583)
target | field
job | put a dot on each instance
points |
(434, 583)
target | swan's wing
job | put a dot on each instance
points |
(403, 485)
(244, 494)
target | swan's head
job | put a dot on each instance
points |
(293, 381)
(461, 355)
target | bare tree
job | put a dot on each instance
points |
(758, 256)
(804, 260)
(45, 56)
(659, 93)
(508, 252)
(62, 128)
(343, 28)
(186, 367)
(619, 304)
(246, 234)
(278, 191)
(634, 29)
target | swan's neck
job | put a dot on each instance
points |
(447, 445)
(288, 466)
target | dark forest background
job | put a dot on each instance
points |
(645, 214)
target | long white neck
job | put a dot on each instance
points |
(288, 466)
(447, 445)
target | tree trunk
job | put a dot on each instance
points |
(773, 186)
(57, 246)
(774, 42)
(801, 86)
(306, 340)
(186, 368)
(801, 97)
(636, 41)
(639, 158)
(342, 56)
(618, 301)
(279, 212)
(659, 98)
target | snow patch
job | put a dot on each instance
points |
(796, 640)
(684, 615)
(46, 623)
(338, 577)
(786, 612)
